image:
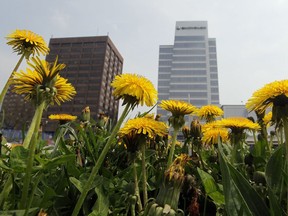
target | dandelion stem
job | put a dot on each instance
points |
(137, 193)
(6, 87)
(27, 179)
(144, 175)
(172, 149)
(285, 125)
(99, 162)
(34, 126)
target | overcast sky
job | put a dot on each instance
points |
(251, 35)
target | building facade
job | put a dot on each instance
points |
(187, 69)
(91, 65)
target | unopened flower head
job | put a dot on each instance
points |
(25, 41)
(134, 89)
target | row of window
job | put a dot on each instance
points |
(189, 65)
(190, 94)
(188, 79)
(189, 45)
(190, 38)
(189, 72)
(189, 52)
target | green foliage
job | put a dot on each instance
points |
(212, 189)
(240, 197)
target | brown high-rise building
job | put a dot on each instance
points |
(91, 65)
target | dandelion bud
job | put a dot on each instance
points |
(186, 132)
(86, 114)
(196, 129)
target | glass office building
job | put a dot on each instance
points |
(188, 69)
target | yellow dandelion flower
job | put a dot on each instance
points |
(272, 94)
(43, 83)
(133, 131)
(267, 118)
(144, 126)
(25, 41)
(134, 89)
(237, 124)
(177, 108)
(209, 112)
(62, 117)
(210, 126)
(210, 137)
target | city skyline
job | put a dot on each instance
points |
(251, 39)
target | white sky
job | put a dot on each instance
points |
(251, 35)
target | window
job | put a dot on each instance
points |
(189, 86)
(164, 69)
(213, 69)
(190, 52)
(188, 79)
(214, 83)
(165, 56)
(212, 43)
(212, 49)
(215, 97)
(189, 38)
(189, 65)
(213, 62)
(189, 58)
(163, 76)
(186, 94)
(165, 63)
(212, 56)
(166, 50)
(189, 45)
(189, 72)
(214, 76)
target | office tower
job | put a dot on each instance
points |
(91, 65)
(188, 68)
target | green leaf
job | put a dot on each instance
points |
(101, 207)
(237, 190)
(233, 205)
(6, 189)
(211, 188)
(274, 169)
(63, 159)
(78, 184)
(249, 195)
(32, 211)
(18, 158)
(260, 148)
(3, 166)
(275, 208)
